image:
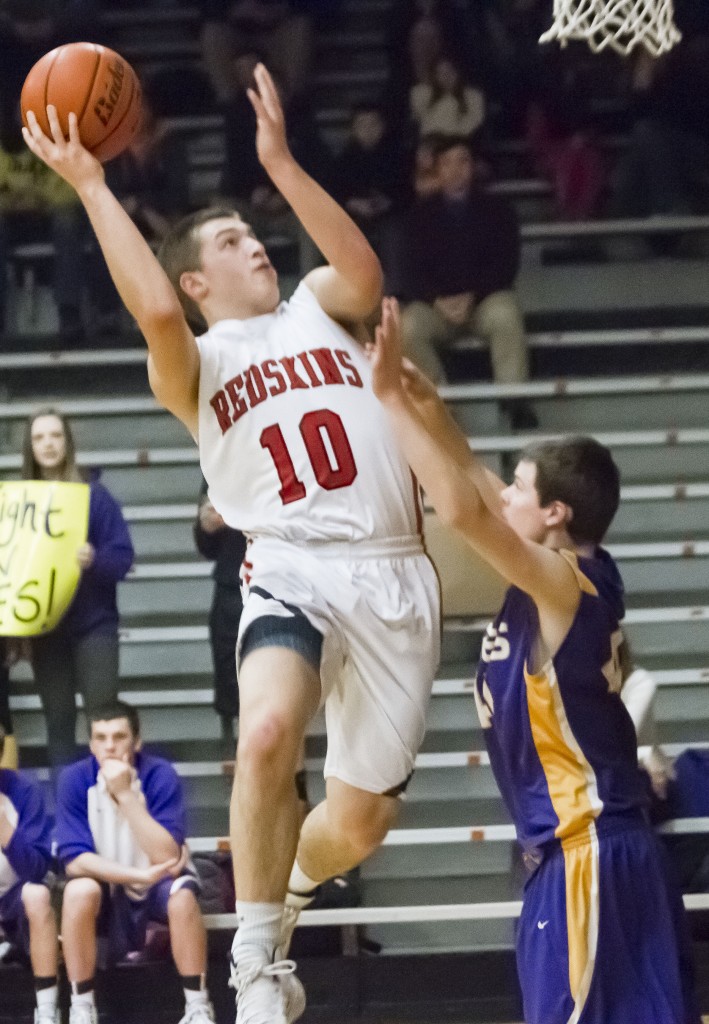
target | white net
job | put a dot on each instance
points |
(620, 24)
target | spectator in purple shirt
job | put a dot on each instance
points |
(26, 915)
(81, 653)
(121, 837)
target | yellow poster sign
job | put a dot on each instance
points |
(42, 525)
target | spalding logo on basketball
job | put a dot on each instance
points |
(96, 84)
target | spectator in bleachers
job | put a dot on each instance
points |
(81, 653)
(121, 837)
(564, 150)
(226, 548)
(666, 165)
(425, 172)
(26, 915)
(283, 30)
(244, 181)
(37, 205)
(448, 104)
(369, 177)
(460, 254)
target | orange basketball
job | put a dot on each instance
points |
(94, 83)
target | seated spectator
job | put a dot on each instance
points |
(121, 837)
(26, 915)
(426, 181)
(566, 153)
(281, 29)
(37, 205)
(686, 795)
(460, 250)
(666, 161)
(369, 176)
(448, 104)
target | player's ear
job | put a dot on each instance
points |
(559, 514)
(193, 284)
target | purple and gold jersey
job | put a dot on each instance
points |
(562, 745)
(591, 949)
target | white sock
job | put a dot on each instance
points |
(258, 926)
(47, 998)
(83, 998)
(300, 886)
(193, 995)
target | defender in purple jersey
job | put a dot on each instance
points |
(592, 948)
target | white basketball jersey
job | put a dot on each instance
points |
(293, 442)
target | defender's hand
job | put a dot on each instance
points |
(271, 142)
(68, 157)
(386, 353)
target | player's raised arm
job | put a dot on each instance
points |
(350, 287)
(139, 278)
(454, 487)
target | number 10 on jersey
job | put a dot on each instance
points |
(332, 471)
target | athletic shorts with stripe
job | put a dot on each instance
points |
(377, 608)
(601, 939)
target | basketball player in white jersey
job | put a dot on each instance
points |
(341, 603)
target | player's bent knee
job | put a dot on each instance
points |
(182, 903)
(365, 822)
(81, 895)
(36, 899)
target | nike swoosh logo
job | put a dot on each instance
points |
(542, 924)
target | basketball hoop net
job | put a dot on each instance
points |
(620, 24)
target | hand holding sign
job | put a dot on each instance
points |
(43, 525)
(85, 555)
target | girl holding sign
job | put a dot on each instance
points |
(81, 652)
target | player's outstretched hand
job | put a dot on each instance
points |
(68, 157)
(386, 354)
(271, 142)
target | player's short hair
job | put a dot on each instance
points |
(181, 251)
(580, 472)
(116, 709)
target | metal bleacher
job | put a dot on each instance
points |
(452, 846)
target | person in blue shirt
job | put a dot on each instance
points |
(26, 915)
(121, 837)
(81, 653)
(591, 947)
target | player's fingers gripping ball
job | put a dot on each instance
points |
(96, 84)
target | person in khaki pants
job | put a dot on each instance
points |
(461, 255)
